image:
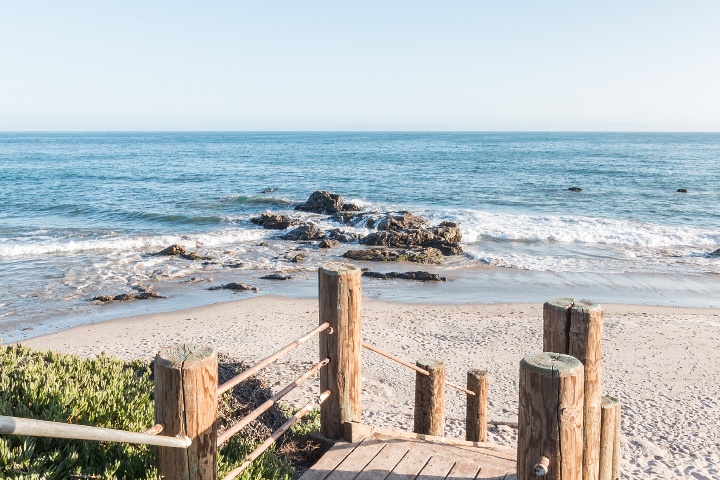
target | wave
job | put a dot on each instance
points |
(477, 226)
(128, 243)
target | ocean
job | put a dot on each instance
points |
(81, 214)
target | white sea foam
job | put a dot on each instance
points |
(35, 247)
(477, 226)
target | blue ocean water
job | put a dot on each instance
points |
(80, 212)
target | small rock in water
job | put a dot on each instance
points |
(417, 255)
(329, 243)
(128, 297)
(322, 202)
(268, 190)
(235, 286)
(274, 221)
(276, 276)
(173, 250)
(307, 231)
(420, 276)
(715, 253)
(575, 189)
(681, 190)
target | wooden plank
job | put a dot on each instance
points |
(385, 461)
(327, 463)
(362, 455)
(410, 465)
(437, 467)
(464, 471)
(494, 473)
(355, 432)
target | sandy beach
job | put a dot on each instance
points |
(661, 362)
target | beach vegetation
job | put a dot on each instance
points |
(111, 393)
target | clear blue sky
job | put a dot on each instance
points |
(389, 65)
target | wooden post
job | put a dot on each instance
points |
(607, 437)
(186, 377)
(430, 398)
(476, 413)
(550, 416)
(616, 444)
(340, 305)
(586, 331)
(556, 325)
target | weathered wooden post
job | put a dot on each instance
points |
(556, 325)
(575, 328)
(616, 443)
(586, 330)
(186, 378)
(340, 305)
(607, 437)
(430, 398)
(476, 412)
(550, 416)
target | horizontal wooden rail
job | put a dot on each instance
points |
(43, 428)
(410, 365)
(269, 403)
(267, 361)
(277, 434)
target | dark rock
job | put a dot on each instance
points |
(240, 287)
(195, 256)
(715, 253)
(322, 202)
(329, 243)
(276, 276)
(350, 207)
(262, 244)
(418, 276)
(274, 221)
(307, 231)
(681, 190)
(417, 255)
(295, 257)
(342, 236)
(127, 297)
(173, 250)
(268, 190)
(402, 221)
(197, 280)
(575, 189)
(446, 237)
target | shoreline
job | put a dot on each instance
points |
(661, 362)
(477, 285)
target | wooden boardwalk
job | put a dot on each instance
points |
(384, 456)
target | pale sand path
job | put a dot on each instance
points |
(662, 362)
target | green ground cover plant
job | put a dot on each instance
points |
(107, 392)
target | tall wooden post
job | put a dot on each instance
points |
(430, 398)
(340, 305)
(186, 378)
(550, 416)
(607, 437)
(586, 330)
(476, 412)
(616, 443)
(575, 328)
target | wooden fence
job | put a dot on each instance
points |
(567, 430)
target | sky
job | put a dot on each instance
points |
(389, 65)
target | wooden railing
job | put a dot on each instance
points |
(567, 430)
